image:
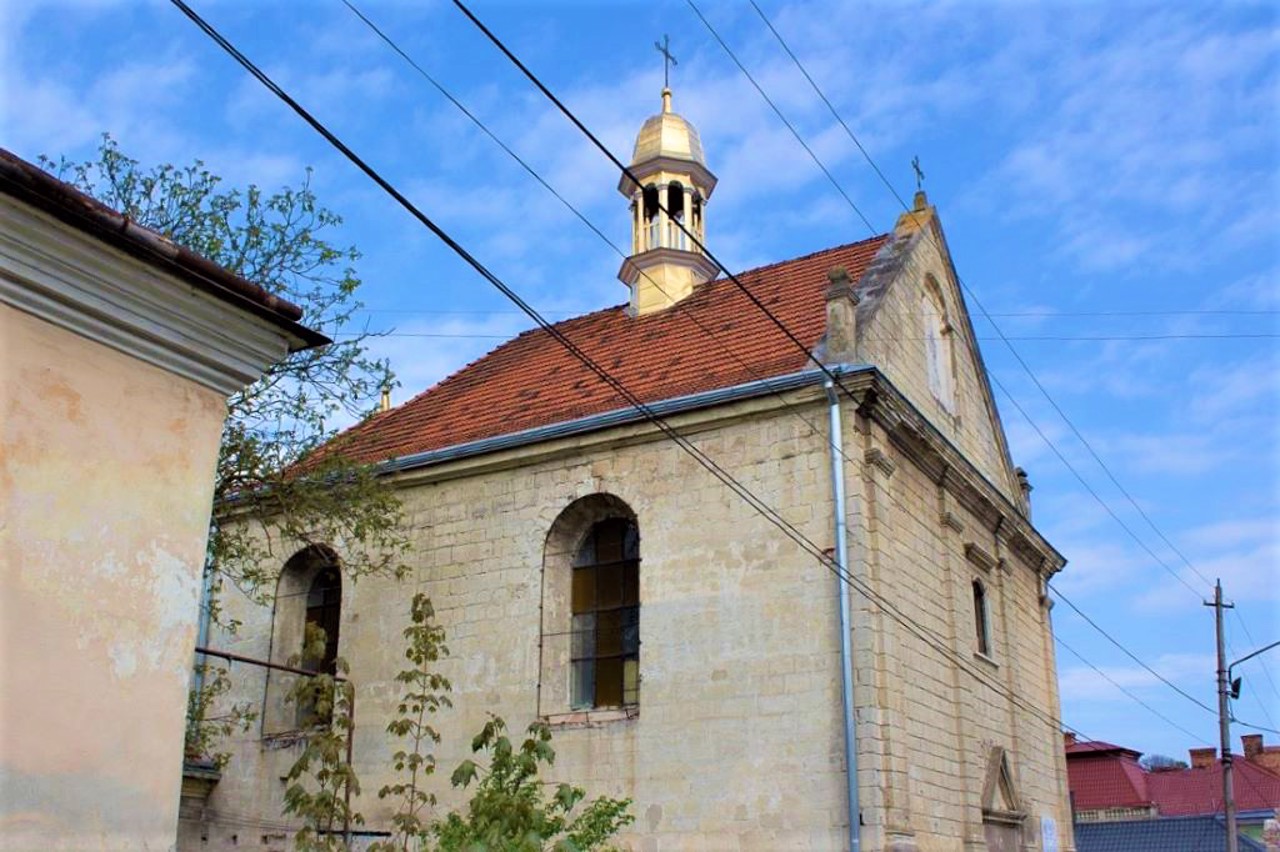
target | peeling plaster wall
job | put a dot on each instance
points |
(105, 479)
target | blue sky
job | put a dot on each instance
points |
(1107, 175)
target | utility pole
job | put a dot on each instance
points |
(1224, 720)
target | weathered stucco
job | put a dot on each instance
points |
(105, 478)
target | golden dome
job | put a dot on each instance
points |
(668, 135)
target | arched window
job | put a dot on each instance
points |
(589, 648)
(675, 204)
(651, 216)
(981, 624)
(939, 359)
(696, 215)
(605, 655)
(308, 594)
(324, 611)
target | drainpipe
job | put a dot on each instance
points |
(846, 650)
(202, 636)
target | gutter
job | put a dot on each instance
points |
(617, 417)
(840, 508)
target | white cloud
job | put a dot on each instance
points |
(1082, 684)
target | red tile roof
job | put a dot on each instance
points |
(1096, 746)
(1184, 792)
(532, 381)
(1111, 778)
(1102, 775)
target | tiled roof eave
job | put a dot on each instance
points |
(618, 417)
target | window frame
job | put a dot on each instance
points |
(589, 654)
(567, 531)
(981, 619)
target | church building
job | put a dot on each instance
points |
(793, 599)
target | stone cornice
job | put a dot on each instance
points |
(701, 176)
(938, 458)
(633, 267)
(66, 277)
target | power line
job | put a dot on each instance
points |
(682, 307)
(884, 605)
(1060, 596)
(693, 238)
(1059, 338)
(392, 44)
(1108, 678)
(1043, 314)
(1255, 727)
(578, 123)
(1265, 669)
(1012, 349)
(783, 119)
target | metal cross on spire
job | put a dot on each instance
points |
(664, 47)
(915, 164)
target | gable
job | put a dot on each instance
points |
(913, 325)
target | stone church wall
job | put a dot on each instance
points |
(737, 741)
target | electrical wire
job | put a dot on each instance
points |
(681, 306)
(1000, 333)
(884, 605)
(1265, 669)
(1013, 350)
(1060, 596)
(1194, 737)
(578, 123)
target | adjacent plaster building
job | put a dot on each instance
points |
(682, 630)
(117, 353)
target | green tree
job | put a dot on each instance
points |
(208, 724)
(509, 812)
(423, 697)
(321, 782)
(266, 505)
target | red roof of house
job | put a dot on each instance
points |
(532, 380)
(1183, 792)
(1102, 775)
(1107, 777)
(1098, 746)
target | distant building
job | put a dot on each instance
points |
(1109, 784)
(1172, 834)
(118, 350)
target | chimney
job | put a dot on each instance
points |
(1252, 745)
(1024, 485)
(1203, 758)
(1068, 738)
(384, 404)
(842, 318)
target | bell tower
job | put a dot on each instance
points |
(671, 189)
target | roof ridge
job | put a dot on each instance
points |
(803, 257)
